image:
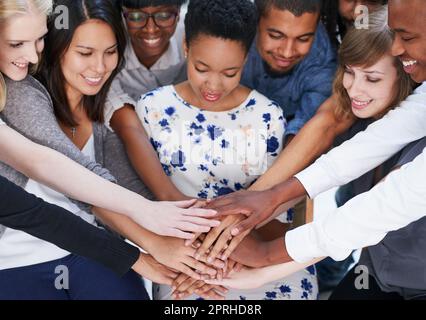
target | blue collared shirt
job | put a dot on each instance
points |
(301, 91)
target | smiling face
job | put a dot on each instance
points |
(408, 19)
(20, 45)
(284, 40)
(151, 41)
(214, 75)
(371, 90)
(90, 59)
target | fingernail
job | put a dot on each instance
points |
(210, 259)
(234, 231)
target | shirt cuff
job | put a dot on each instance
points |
(310, 241)
(314, 179)
(299, 245)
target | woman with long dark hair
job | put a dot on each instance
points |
(28, 264)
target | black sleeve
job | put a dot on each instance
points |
(23, 211)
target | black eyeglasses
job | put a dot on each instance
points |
(139, 19)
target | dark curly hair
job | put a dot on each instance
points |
(296, 7)
(234, 20)
(136, 4)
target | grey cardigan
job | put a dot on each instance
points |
(29, 111)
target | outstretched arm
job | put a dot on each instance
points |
(59, 172)
(366, 219)
(254, 278)
(23, 211)
(313, 139)
(142, 155)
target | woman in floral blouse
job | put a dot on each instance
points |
(214, 136)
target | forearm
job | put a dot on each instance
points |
(129, 229)
(368, 149)
(272, 230)
(146, 163)
(64, 175)
(143, 156)
(23, 211)
(286, 191)
(315, 138)
(77, 182)
(280, 271)
(276, 252)
(81, 184)
(366, 219)
(282, 208)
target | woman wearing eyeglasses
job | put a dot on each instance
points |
(154, 58)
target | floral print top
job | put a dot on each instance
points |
(209, 154)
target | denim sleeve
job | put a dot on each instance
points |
(310, 103)
(316, 90)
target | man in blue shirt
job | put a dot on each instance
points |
(293, 61)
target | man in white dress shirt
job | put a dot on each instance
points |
(391, 205)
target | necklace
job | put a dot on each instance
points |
(73, 131)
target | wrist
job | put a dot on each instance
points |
(276, 252)
(140, 207)
(286, 191)
(138, 266)
(275, 196)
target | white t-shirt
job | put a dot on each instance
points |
(18, 249)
